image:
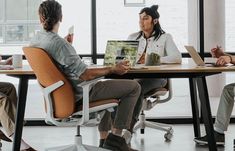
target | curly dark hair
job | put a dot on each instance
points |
(153, 12)
(50, 12)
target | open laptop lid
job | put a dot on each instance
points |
(195, 56)
(117, 50)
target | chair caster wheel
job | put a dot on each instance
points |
(168, 136)
(171, 130)
(142, 131)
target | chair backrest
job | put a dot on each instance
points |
(47, 73)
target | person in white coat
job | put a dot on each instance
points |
(151, 38)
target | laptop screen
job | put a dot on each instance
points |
(194, 55)
(117, 50)
(197, 58)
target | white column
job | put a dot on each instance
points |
(214, 34)
(214, 21)
(193, 23)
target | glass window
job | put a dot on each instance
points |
(22, 23)
(229, 26)
(114, 23)
(33, 9)
(32, 30)
(20, 33)
(16, 12)
(18, 22)
(1, 35)
(1, 10)
(174, 20)
(78, 14)
(15, 33)
(24, 10)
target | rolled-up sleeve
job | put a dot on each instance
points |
(70, 62)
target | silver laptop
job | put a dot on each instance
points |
(117, 50)
(197, 58)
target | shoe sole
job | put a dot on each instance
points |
(206, 143)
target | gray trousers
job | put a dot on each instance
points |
(8, 100)
(225, 108)
(127, 91)
(146, 85)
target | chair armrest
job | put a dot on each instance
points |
(170, 92)
(156, 94)
(90, 81)
(47, 92)
(86, 86)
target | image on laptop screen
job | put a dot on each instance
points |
(117, 50)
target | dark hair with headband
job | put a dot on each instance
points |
(50, 13)
(152, 11)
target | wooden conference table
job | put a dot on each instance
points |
(196, 76)
(197, 83)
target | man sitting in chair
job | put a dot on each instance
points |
(64, 54)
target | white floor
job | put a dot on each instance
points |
(153, 140)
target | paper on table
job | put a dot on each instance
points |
(6, 67)
(138, 66)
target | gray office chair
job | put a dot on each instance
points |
(152, 98)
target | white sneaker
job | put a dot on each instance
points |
(127, 136)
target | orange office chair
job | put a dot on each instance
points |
(60, 101)
(152, 98)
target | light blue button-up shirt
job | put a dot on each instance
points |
(64, 55)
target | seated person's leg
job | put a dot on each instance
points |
(128, 92)
(9, 90)
(2, 135)
(223, 116)
(225, 108)
(149, 84)
(146, 85)
(8, 107)
(8, 112)
(104, 127)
